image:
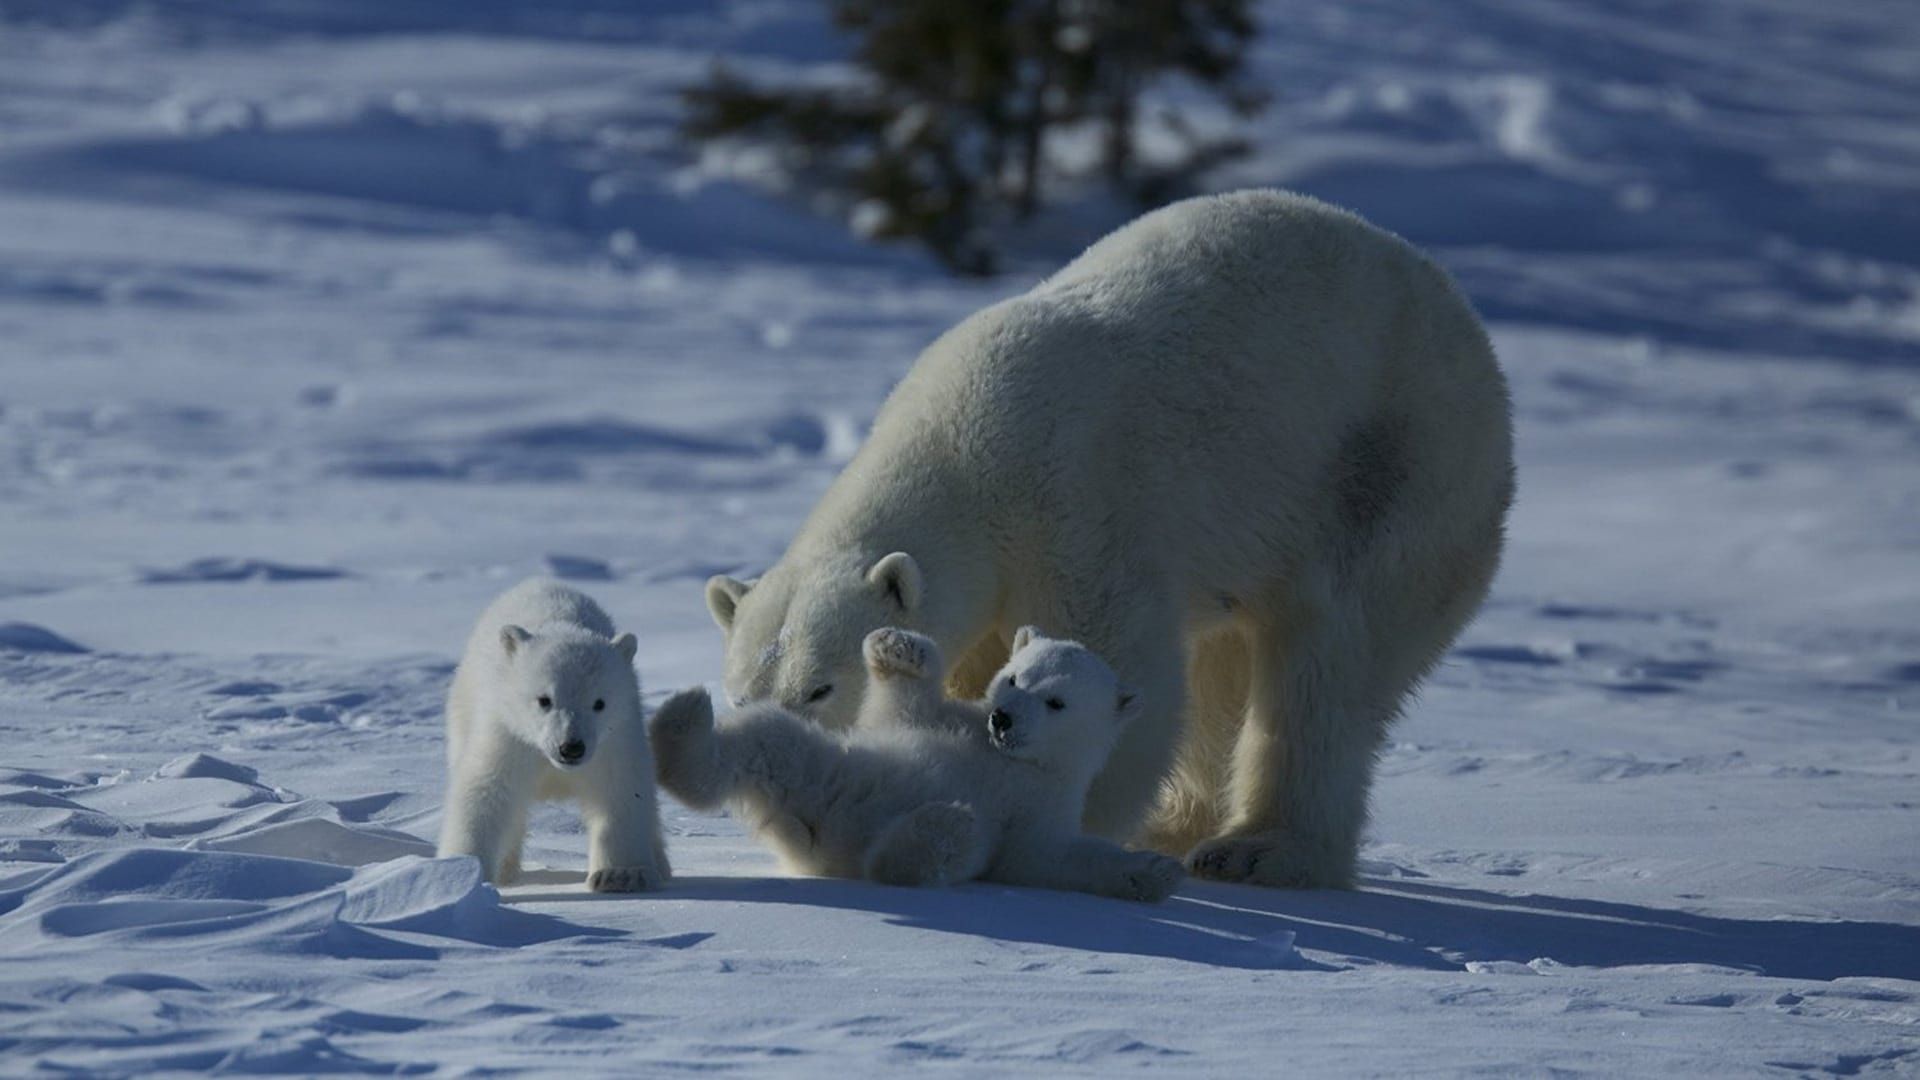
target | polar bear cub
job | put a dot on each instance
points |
(546, 705)
(924, 791)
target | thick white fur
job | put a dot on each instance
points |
(1253, 451)
(925, 792)
(504, 751)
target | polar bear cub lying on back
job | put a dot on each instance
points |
(545, 705)
(924, 791)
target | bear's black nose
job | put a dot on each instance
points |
(572, 751)
(998, 721)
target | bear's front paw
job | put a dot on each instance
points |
(624, 879)
(1152, 879)
(893, 651)
(1267, 859)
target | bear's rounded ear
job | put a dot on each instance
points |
(898, 576)
(512, 637)
(1128, 706)
(1026, 636)
(723, 598)
(626, 645)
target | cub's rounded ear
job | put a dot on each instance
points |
(1026, 636)
(512, 637)
(1128, 704)
(626, 645)
(723, 598)
(898, 577)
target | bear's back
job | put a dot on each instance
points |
(1248, 241)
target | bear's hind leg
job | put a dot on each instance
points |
(934, 844)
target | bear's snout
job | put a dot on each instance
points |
(569, 745)
(1000, 727)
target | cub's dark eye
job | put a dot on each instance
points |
(544, 702)
(819, 692)
(1056, 704)
(1012, 679)
(599, 704)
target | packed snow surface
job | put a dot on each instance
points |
(322, 323)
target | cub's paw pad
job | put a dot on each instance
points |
(945, 831)
(622, 879)
(1154, 879)
(1258, 860)
(893, 651)
(932, 845)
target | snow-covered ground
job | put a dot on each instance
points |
(320, 323)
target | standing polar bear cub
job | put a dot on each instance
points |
(1251, 450)
(545, 705)
(923, 791)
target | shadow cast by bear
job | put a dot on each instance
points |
(1410, 925)
(1173, 930)
(1453, 925)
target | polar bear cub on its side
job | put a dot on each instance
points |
(545, 705)
(924, 791)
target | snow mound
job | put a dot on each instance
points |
(223, 570)
(445, 898)
(319, 838)
(577, 567)
(26, 637)
(405, 155)
(223, 899)
(202, 802)
(581, 448)
(257, 870)
(192, 765)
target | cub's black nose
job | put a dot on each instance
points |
(998, 721)
(572, 751)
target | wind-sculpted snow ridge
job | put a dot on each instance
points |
(213, 900)
(268, 879)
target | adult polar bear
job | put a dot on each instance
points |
(1251, 450)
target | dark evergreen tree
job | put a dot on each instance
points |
(953, 129)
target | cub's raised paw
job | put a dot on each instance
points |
(624, 879)
(1153, 879)
(687, 711)
(893, 651)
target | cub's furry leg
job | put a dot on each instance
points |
(934, 844)
(486, 808)
(625, 851)
(688, 759)
(773, 771)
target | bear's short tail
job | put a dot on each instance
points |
(687, 757)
